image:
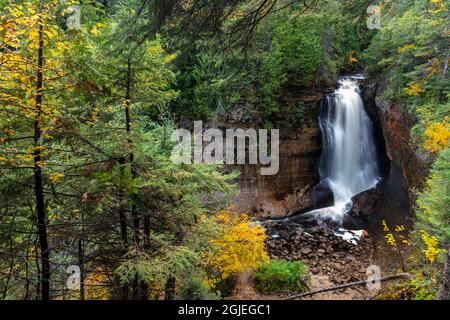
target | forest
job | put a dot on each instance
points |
(95, 94)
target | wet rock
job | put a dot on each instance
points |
(322, 251)
(285, 234)
(322, 196)
(314, 270)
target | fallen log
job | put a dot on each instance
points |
(348, 285)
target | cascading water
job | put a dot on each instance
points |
(349, 162)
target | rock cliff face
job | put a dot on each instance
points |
(395, 124)
(300, 148)
(396, 128)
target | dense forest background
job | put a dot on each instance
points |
(87, 113)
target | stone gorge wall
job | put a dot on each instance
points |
(395, 123)
(300, 148)
(273, 195)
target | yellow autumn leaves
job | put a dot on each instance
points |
(397, 239)
(240, 246)
(413, 89)
(433, 119)
(20, 29)
(406, 47)
(23, 21)
(437, 136)
(351, 58)
(431, 250)
(436, 133)
(96, 29)
(436, 6)
(56, 176)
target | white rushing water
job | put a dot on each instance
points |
(349, 160)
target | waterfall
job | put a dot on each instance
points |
(349, 160)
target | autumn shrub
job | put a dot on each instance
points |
(239, 246)
(418, 288)
(281, 276)
(397, 240)
(421, 257)
(433, 127)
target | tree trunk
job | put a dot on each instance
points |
(134, 213)
(81, 264)
(38, 185)
(27, 272)
(144, 286)
(136, 288)
(38, 270)
(348, 285)
(11, 268)
(444, 290)
(170, 289)
(123, 219)
(124, 237)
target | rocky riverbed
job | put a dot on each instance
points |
(325, 252)
(331, 260)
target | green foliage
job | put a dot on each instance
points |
(300, 39)
(194, 288)
(424, 264)
(419, 288)
(299, 113)
(113, 197)
(288, 48)
(209, 85)
(281, 276)
(410, 51)
(410, 55)
(434, 201)
(271, 77)
(423, 289)
(170, 262)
